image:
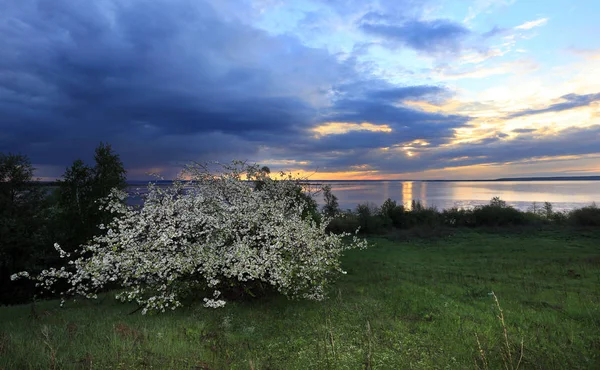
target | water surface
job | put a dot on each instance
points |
(564, 195)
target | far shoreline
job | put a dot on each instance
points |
(316, 182)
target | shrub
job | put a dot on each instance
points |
(456, 217)
(394, 212)
(419, 215)
(498, 213)
(371, 220)
(345, 222)
(212, 236)
(586, 216)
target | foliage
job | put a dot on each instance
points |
(23, 231)
(394, 212)
(109, 172)
(419, 215)
(76, 205)
(586, 216)
(80, 189)
(344, 222)
(381, 220)
(213, 236)
(371, 220)
(331, 207)
(497, 213)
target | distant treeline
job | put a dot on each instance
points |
(390, 216)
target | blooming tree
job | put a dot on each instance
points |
(205, 236)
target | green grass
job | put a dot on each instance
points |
(414, 304)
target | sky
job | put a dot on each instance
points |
(328, 89)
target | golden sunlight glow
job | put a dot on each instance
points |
(361, 167)
(419, 142)
(282, 162)
(448, 106)
(333, 128)
(559, 165)
(407, 194)
(342, 175)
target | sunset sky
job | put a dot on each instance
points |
(339, 89)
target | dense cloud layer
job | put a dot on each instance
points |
(170, 81)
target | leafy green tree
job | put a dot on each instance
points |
(331, 207)
(76, 205)
(80, 189)
(23, 231)
(16, 172)
(108, 173)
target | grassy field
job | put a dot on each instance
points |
(404, 304)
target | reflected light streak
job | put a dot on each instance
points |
(407, 194)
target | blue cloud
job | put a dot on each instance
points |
(572, 101)
(408, 92)
(428, 36)
(155, 75)
(169, 81)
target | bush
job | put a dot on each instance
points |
(497, 213)
(371, 220)
(421, 216)
(456, 217)
(217, 236)
(586, 216)
(395, 213)
(345, 222)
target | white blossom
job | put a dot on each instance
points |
(200, 236)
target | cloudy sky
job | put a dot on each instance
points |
(340, 89)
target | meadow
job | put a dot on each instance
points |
(525, 298)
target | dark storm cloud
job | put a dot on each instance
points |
(429, 36)
(163, 77)
(571, 101)
(167, 82)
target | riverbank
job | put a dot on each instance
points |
(420, 304)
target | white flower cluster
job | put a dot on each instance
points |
(202, 236)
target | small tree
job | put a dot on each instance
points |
(76, 204)
(497, 202)
(22, 224)
(331, 207)
(16, 173)
(219, 238)
(109, 172)
(80, 189)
